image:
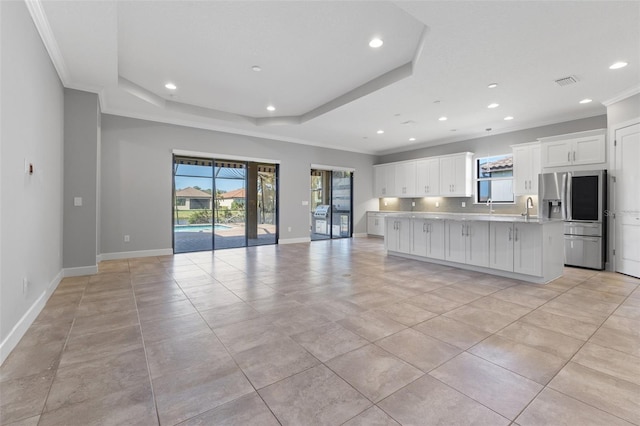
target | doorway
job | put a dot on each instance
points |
(331, 204)
(221, 204)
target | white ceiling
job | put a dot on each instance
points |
(328, 86)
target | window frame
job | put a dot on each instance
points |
(477, 179)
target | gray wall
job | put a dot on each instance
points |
(81, 113)
(31, 128)
(481, 147)
(623, 111)
(136, 179)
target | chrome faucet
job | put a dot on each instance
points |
(490, 205)
(528, 205)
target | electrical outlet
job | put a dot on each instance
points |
(413, 204)
(25, 286)
(464, 204)
(127, 238)
(289, 229)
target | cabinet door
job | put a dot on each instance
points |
(455, 241)
(404, 235)
(391, 234)
(461, 176)
(380, 181)
(372, 225)
(428, 177)
(556, 153)
(477, 248)
(435, 239)
(536, 169)
(526, 167)
(527, 249)
(419, 246)
(405, 179)
(589, 150)
(447, 176)
(501, 246)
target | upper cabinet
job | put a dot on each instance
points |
(526, 168)
(428, 177)
(576, 149)
(456, 175)
(405, 179)
(446, 176)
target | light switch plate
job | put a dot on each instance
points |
(464, 204)
(77, 201)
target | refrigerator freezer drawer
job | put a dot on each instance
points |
(585, 252)
(591, 229)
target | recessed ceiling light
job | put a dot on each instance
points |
(171, 86)
(412, 139)
(494, 105)
(492, 85)
(508, 117)
(256, 68)
(375, 43)
(442, 118)
(380, 132)
(271, 108)
(618, 65)
(585, 101)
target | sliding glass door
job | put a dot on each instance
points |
(223, 204)
(331, 202)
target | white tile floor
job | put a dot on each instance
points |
(328, 333)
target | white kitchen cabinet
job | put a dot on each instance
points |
(375, 224)
(467, 242)
(428, 238)
(384, 178)
(398, 234)
(527, 249)
(501, 246)
(526, 168)
(590, 148)
(405, 179)
(428, 177)
(456, 175)
(516, 247)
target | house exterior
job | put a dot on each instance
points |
(226, 199)
(192, 199)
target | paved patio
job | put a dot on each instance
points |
(229, 238)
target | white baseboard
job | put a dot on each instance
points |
(83, 270)
(18, 331)
(360, 235)
(139, 253)
(294, 240)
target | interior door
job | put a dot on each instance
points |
(627, 202)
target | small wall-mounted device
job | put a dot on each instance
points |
(28, 167)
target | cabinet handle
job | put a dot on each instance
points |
(516, 239)
(510, 230)
(462, 232)
(568, 156)
(467, 230)
(425, 189)
(574, 156)
(424, 227)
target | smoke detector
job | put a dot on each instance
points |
(566, 81)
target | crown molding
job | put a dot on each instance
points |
(41, 22)
(622, 96)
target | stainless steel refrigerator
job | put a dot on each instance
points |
(580, 199)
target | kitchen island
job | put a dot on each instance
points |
(528, 249)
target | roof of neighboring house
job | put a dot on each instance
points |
(192, 193)
(496, 166)
(236, 193)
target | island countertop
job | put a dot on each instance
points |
(472, 216)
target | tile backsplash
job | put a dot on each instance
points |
(453, 205)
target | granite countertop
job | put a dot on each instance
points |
(472, 216)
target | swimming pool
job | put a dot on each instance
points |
(199, 228)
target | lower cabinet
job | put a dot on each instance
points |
(467, 242)
(428, 238)
(375, 224)
(516, 247)
(398, 234)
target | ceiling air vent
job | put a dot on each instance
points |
(565, 81)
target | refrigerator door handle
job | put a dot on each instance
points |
(569, 196)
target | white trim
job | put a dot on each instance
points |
(332, 168)
(574, 135)
(294, 240)
(622, 96)
(215, 156)
(82, 270)
(46, 34)
(134, 254)
(360, 235)
(21, 327)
